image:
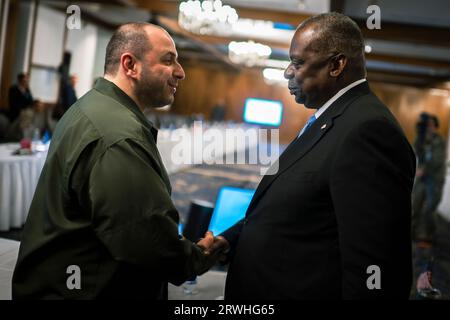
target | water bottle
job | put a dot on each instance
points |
(190, 286)
(35, 139)
(45, 137)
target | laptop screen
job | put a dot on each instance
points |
(231, 205)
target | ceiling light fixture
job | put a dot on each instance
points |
(274, 76)
(207, 17)
(248, 53)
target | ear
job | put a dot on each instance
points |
(337, 64)
(129, 64)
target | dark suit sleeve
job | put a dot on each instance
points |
(134, 217)
(232, 236)
(371, 182)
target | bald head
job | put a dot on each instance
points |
(134, 38)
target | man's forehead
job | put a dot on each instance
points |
(304, 36)
(302, 39)
(155, 32)
(166, 47)
(160, 38)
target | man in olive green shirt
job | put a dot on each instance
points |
(102, 223)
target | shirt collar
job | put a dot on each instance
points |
(341, 92)
(109, 89)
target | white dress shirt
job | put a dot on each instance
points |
(327, 104)
(336, 96)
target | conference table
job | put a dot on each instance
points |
(187, 146)
(19, 175)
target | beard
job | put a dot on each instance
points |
(301, 98)
(152, 92)
(297, 91)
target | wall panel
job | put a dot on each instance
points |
(205, 84)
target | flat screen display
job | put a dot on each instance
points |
(264, 112)
(231, 205)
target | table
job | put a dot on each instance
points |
(18, 179)
(19, 174)
(210, 286)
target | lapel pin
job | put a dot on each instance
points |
(323, 127)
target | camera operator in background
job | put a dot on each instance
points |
(430, 175)
(427, 192)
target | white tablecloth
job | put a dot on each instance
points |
(18, 179)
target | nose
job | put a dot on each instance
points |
(179, 72)
(288, 74)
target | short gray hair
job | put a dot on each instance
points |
(337, 33)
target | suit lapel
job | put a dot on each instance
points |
(302, 145)
(294, 152)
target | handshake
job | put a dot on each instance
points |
(214, 247)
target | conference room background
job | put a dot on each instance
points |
(228, 89)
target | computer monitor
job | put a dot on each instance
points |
(231, 205)
(264, 112)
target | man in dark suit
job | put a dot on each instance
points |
(334, 221)
(20, 96)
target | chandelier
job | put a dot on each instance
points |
(248, 53)
(207, 17)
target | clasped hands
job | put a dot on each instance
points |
(215, 247)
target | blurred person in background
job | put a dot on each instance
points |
(28, 121)
(68, 93)
(219, 110)
(20, 96)
(430, 149)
